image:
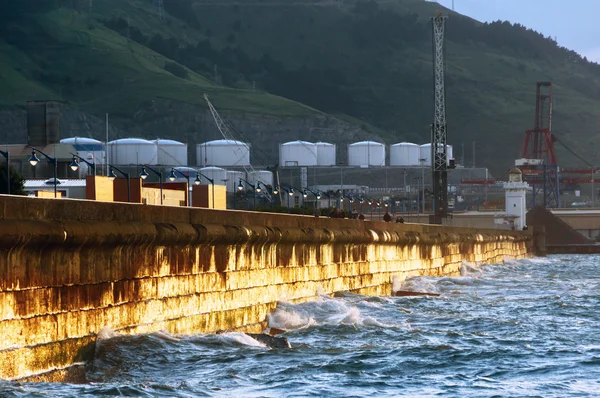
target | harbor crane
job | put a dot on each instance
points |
(439, 150)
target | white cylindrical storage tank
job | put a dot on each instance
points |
(171, 152)
(405, 154)
(92, 150)
(265, 177)
(325, 154)
(223, 153)
(298, 153)
(366, 153)
(450, 152)
(233, 180)
(425, 153)
(214, 173)
(132, 151)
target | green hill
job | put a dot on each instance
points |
(277, 69)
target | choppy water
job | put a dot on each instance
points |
(526, 328)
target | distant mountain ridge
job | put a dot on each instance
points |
(307, 67)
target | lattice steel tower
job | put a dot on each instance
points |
(439, 152)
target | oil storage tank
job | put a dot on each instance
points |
(263, 176)
(325, 154)
(217, 174)
(132, 151)
(426, 153)
(223, 153)
(297, 153)
(233, 179)
(88, 148)
(405, 154)
(450, 152)
(171, 152)
(366, 153)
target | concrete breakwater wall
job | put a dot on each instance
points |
(70, 268)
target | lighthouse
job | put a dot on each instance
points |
(515, 194)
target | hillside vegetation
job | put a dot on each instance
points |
(367, 62)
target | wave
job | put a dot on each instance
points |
(326, 311)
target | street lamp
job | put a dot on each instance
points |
(290, 193)
(418, 179)
(75, 164)
(240, 187)
(112, 176)
(270, 191)
(144, 175)
(317, 197)
(173, 177)
(350, 201)
(197, 181)
(341, 199)
(7, 156)
(34, 160)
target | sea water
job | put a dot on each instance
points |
(524, 328)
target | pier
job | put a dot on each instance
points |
(73, 267)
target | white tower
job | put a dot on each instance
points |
(515, 193)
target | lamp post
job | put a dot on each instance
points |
(172, 177)
(422, 161)
(317, 197)
(75, 164)
(303, 195)
(197, 181)
(112, 176)
(144, 175)
(34, 160)
(290, 193)
(350, 201)
(7, 156)
(418, 195)
(267, 189)
(240, 187)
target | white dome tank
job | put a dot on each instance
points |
(405, 154)
(132, 151)
(450, 152)
(325, 154)
(215, 173)
(233, 179)
(223, 153)
(366, 153)
(298, 153)
(425, 153)
(264, 176)
(92, 150)
(171, 153)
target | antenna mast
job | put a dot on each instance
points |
(439, 155)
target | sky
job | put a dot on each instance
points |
(572, 22)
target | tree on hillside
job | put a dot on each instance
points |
(16, 181)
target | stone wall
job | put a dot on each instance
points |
(72, 267)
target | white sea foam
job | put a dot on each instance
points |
(469, 269)
(324, 311)
(239, 338)
(420, 284)
(163, 334)
(289, 320)
(105, 333)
